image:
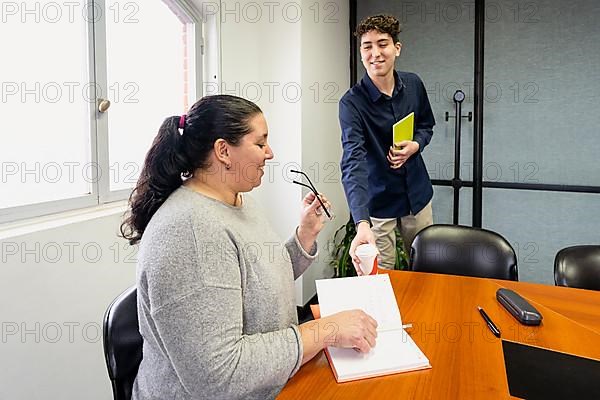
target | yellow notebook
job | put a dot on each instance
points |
(403, 129)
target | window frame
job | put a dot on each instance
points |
(98, 122)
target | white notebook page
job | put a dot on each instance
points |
(372, 293)
(395, 351)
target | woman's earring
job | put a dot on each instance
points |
(227, 166)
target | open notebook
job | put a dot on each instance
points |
(395, 351)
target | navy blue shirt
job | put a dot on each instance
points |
(373, 188)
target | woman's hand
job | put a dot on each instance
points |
(349, 329)
(311, 221)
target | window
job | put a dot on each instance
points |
(45, 124)
(62, 144)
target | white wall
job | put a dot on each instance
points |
(325, 78)
(293, 62)
(55, 285)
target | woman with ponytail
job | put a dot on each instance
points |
(216, 303)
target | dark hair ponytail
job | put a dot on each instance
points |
(174, 156)
(159, 177)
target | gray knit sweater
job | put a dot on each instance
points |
(216, 302)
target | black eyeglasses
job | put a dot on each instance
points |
(314, 190)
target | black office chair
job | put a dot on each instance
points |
(578, 267)
(462, 250)
(122, 343)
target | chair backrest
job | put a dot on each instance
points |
(578, 266)
(462, 250)
(122, 343)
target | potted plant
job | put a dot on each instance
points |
(340, 245)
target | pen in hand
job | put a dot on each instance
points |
(489, 322)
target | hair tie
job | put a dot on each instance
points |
(182, 121)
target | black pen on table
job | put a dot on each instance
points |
(489, 322)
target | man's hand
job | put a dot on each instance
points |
(363, 235)
(401, 152)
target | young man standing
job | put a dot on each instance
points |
(385, 186)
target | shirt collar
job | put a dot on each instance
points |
(374, 93)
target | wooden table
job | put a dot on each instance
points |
(466, 357)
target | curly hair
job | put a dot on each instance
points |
(382, 23)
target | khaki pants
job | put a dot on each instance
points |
(410, 225)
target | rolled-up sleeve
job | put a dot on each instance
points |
(300, 258)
